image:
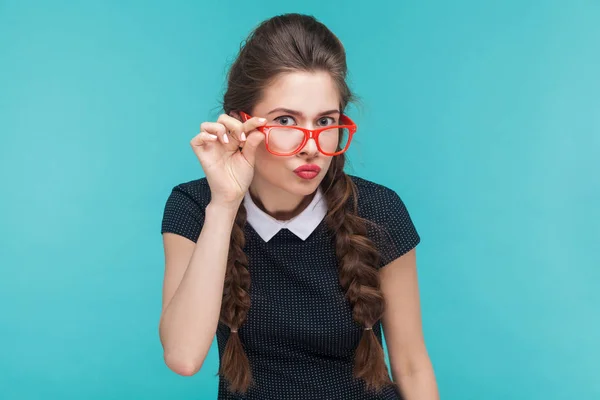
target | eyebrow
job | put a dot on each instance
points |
(300, 114)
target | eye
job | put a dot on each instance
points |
(285, 120)
(326, 121)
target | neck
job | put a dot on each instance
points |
(277, 202)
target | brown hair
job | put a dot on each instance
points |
(286, 43)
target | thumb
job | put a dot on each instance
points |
(250, 146)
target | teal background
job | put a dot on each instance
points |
(483, 116)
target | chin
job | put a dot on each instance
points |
(292, 183)
(299, 187)
(305, 187)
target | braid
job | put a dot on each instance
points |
(235, 366)
(296, 42)
(357, 256)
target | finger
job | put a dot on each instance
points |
(216, 129)
(252, 124)
(250, 146)
(202, 138)
(233, 126)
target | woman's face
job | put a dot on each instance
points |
(305, 99)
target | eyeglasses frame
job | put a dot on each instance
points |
(308, 134)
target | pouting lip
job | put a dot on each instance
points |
(308, 167)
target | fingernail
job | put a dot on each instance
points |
(225, 138)
(243, 136)
(261, 120)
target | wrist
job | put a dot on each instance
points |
(223, 209)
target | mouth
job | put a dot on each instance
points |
(309, 171)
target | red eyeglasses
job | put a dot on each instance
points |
(289, 140)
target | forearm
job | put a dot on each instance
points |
(419, 384)
(190, 320)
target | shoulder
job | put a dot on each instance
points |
(392, 228)
(184, 209)
(368, 186)
(375, 199)
(196, 191)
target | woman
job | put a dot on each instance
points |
(294, 264)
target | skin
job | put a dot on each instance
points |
(283, 194)
(410, 365)
(275, 187)
(191, 289)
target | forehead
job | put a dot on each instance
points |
(308, 92)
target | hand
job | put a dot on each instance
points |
(226, 150)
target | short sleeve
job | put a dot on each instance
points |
(183, 214)
(397, 234)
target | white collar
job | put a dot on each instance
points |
(301, 225)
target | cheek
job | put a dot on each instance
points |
(267, 164)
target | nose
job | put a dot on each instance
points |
(310, 148)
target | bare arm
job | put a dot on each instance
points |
(410, 363)
(195, 272)
(193, 290)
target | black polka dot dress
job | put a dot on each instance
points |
(299, 335)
